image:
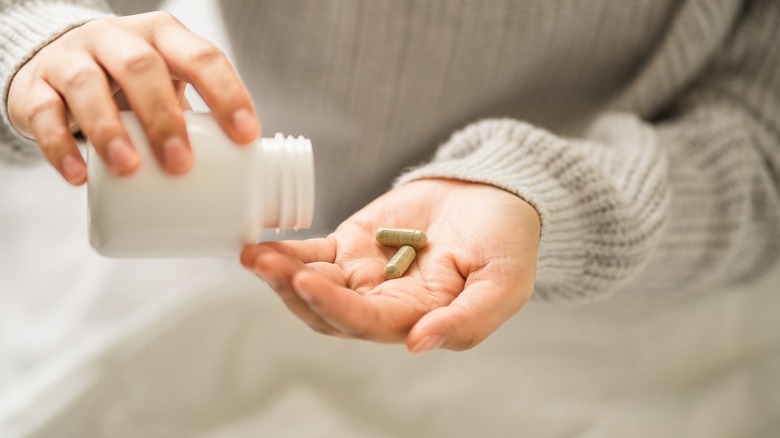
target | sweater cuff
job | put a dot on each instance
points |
(507, 154)
(585, 249)
(25, 28)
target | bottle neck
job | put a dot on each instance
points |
(286, 191)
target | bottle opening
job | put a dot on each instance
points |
(288, 198)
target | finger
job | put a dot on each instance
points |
(47, 121)
(273, 274)
(374, 317)
(485, 303)
(277, 270)
(208, 69)
(179, 88)
(307, 251)
(83, 84)
(144, 77)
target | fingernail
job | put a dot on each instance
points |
(120, 154)
(427, 344)
(175, 154)
(73, 169)
(245, 123)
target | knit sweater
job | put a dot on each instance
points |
(646, 136)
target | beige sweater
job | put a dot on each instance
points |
(647, 136)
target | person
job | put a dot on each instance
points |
(553, 150)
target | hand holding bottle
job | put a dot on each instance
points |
(146, 60)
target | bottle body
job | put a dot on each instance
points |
(220, 205)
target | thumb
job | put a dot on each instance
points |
(484, 304)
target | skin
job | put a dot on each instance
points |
(476, 272)
(141, 62)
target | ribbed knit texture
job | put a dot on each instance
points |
(690, 203)
(647, 136)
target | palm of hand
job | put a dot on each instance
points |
(476, 272)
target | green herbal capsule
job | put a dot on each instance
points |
(400, 262)
(402, 236)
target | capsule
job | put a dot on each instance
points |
(400, 262)
(402, 236)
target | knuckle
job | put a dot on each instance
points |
(102, 130)
(141, 61)
(77, 77)
(206, 54)
(163, 16)
(42, 107)
(101, 23)
(53, 139)
(165, 121)
(161, 20)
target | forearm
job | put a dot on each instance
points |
(724, 211)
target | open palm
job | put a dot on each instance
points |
(476, 272)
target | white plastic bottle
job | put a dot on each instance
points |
(223, 202)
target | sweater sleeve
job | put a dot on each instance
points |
(687, 201)
(25, 27)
